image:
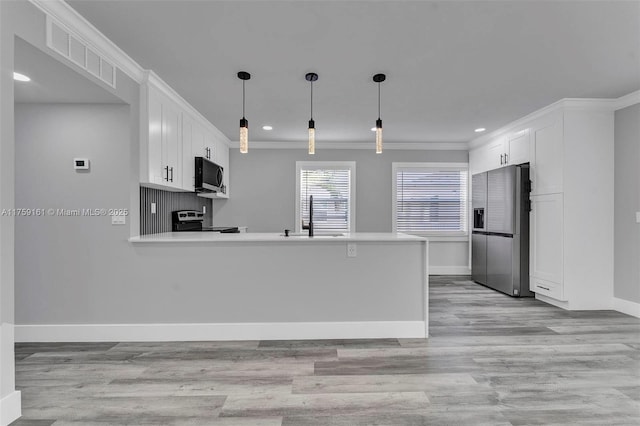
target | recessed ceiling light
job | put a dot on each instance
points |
(267, 128)
(480, 130)
(20, 77)
(373, 129)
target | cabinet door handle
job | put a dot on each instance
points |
(506, 158)
(167, 170)
(544, 288)
(171, 174)
(501, 155)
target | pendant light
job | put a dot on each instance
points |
(379, 78)
(244, 123)
(311, 77)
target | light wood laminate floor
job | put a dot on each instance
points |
(491, 359)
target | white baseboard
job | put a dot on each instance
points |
(449, 270)
(626, 307)
(10, 408)
(218, 331)
(551, 301)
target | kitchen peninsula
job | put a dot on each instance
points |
(268, 286)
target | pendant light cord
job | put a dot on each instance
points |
(243, 99)
(312, 99)
(378, 101)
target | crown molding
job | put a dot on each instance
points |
(567, 103)
(84, 30)
(150, 77)
(627, 100)
(391, 146)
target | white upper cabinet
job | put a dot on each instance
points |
(495, 153)
(191, 142)
(172, 144)
(487, 157)
(209, 146)
(196, 142)
(219, 155)
(152, 162)
(501, 151)
(517, 148)
(547, 154)
(161, 141)
(171, 137)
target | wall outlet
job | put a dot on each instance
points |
(638, 217)
(204, 209)
(352, 250)
(153, 208)
(81, 163)
(118, 219)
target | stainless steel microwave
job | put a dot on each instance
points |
(209, 176)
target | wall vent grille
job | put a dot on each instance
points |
(80, 53)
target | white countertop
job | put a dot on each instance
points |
(215, 237)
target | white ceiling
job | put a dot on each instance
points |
(451, 66)
(53, 81)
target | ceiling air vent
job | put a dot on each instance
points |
(80, 53)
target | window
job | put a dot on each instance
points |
(331, 184)
(430, 198)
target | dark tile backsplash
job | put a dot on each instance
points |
(167, 202)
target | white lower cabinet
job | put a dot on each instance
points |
(547, 288)
(546, 254)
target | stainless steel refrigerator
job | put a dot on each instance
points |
(500, 237)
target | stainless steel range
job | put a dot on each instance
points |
(191, 221)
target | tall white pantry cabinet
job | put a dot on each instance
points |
(571, 153)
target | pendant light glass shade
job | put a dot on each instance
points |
(379, 78)
(312, 137)
(244, 136)
(244, 123)
(311, 77)
(378, 136)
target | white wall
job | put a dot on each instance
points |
(627, 203)
(82, 270)
(22, 19)
(59, 259)
(263, 194)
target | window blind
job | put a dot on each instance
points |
(331, 189)
(431, 200)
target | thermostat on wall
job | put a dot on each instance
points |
(81, 163)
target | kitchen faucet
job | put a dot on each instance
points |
(310, 225)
